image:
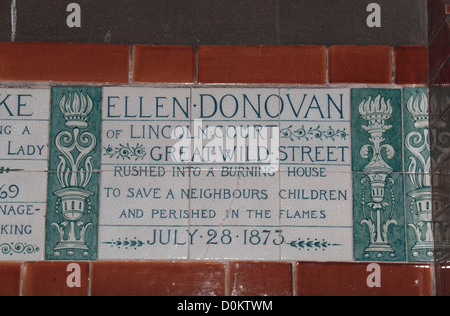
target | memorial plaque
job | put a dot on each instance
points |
(216, 173)
(24, 132)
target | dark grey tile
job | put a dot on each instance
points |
(224, 22)
(403, 22)
(176, 22)
(108, 21)
(237, 22)
(5, 20)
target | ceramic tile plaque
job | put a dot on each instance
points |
(208, 173)
(214, 173)
(24, 134)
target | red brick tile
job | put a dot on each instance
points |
(10, 275)
(158, 279)
(163, 64)
(262, 64)
(439, 49)
(447, 9)
(51, 279)
(359, 64)
(64, 62)
(260, 279)
(350, 279)
(447, 279)
(443, 286)
(411, 65)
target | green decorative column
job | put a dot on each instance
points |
(73, 182)
(417, 163)
(379, 219)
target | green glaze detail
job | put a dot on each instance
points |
(18, 248)
(313, 134)
(377, 165)
(309, 244)
(127, 152)
(418, 199)
(73, 182)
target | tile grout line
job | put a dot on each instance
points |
(280, 252)
(13, 20)
(392, 66)
(130, 66)
(227, 279)
(434, 284)
(439, 70)
(196, 48)
(404, 177)
(327, 64)
(436, 30)
(90, 279)
(22, 272)
(294, 276)
(189, 177)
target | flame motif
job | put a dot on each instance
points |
(76, 109)
(376, 112)
(419, 110)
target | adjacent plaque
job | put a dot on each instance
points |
(24, 134)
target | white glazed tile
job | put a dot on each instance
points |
(143, 126)
(24, 126)
(242, 125)
(145, 243)
(316, 215)
(316, 193)
(311, 244)
(22, 215)
(241, 202)
(22, 236)
(315, 128)
(137, 207)
(25, 104)
(318, 201)
(138, 131)
(235, 104)
(237, 205)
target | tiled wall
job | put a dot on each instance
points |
(439, 67)
(398, 69)
(391, 68)
(212, 278)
